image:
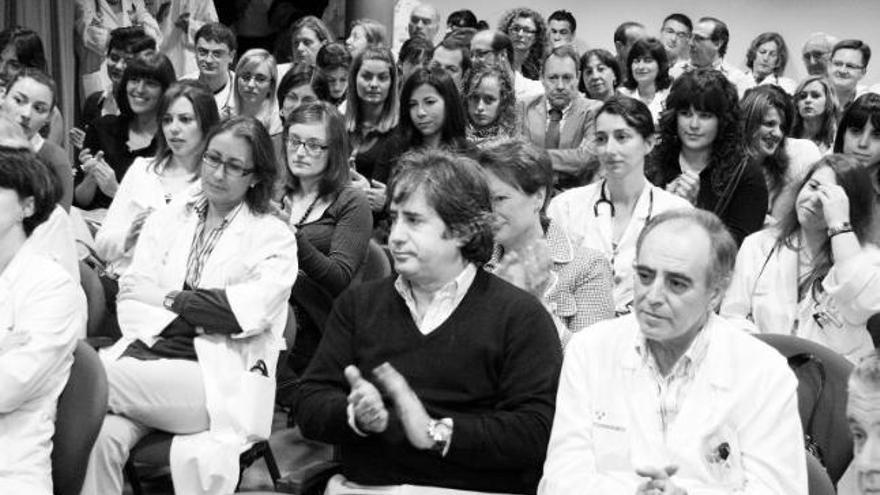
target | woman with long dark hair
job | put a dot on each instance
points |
(699, 156)
(431, 112)
(647, 75)
(815, 274)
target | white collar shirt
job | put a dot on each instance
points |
(444, 302)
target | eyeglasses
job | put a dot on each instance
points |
(837, 64)
(230, 168)
(258, 78)
(682, 35)
(313, 146)
(517, 29)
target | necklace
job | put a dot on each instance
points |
(308, 211)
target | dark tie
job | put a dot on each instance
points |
(551, 141)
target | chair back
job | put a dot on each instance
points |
(822, 395)
(80, 414)
(376, 265)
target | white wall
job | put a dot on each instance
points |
(794, 19)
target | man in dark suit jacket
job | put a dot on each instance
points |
(562, 120)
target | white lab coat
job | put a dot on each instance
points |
(55, 239)
(141, 189)
(42, 314)
(179, 45)
(769, 297)
(573, 211)
(607, 419)
(255, 261)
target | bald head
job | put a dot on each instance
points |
(817, 53)
(424, 22)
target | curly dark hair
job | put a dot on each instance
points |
(755, 104)
(506, 119)
(705, 90)
(532, 65)
(648, 48)
(455, 186)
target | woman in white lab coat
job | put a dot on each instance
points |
(202, 309)
(42, 313)
(187, 113)
(815, 274)
(609, 215)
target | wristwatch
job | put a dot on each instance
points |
(840, 228)
(440, 432)
(169, 299)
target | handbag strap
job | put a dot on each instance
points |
(724, 201)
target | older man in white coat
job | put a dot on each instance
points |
(673, 399)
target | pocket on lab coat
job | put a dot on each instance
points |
(611, 441)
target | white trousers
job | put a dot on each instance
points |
(163, 394)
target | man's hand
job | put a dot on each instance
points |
(369, 410)
(407, 404)
(660, 481)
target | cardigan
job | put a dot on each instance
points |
(493, 372)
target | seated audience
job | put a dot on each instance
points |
(848, 65)
(766, 60)
(114, 141)
(528, 33)
(709, 43)
(863, 412)
(491, 105)
(815, 274)
(179, 21)
(187, 114)
(43, 312)
(331, 74)
(817, 53)
(469, 411)
(699, 156)
(533, 252)
(371, 118)
(431, 112)
(366, 33)
(608, 216)
(489, 47)
(562, 120)
(27, 99)
(202, 310)
(256, 77)
(858, 133)
(295, 89)
(675, 399)
(562, 29)
(817, 112)
(461, 19)
(600, 74)
(307, 36)
(647, 75)
(215, 50)
(625, 35)
(414, 54)
(675, 33)
(424, 22)
(125, 43)
(453, 56)
(330, 217)
(767, 113)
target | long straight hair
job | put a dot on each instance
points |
(388, 119)
(204, 108)
(336, 174)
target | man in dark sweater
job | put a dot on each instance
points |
(467, 364)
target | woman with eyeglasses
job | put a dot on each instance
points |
(528, 32)
(114, 141)
(331, 217)
(647, 75)
(202, 309)
(699, 156)
(256, 77)
(815, 274)
(533, 252)
(187, 113)
(816, 112)
(609, 215)
(491, 104)
(600, 74)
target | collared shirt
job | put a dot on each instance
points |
(444, 302)
(204, 242)
(672, 388)
(565, 112)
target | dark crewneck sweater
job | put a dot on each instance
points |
(492, 366)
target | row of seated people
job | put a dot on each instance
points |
(469, 396)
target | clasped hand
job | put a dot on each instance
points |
(659, 482)
(96, 167)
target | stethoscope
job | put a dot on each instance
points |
(603, 199)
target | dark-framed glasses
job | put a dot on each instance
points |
(231, 168)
